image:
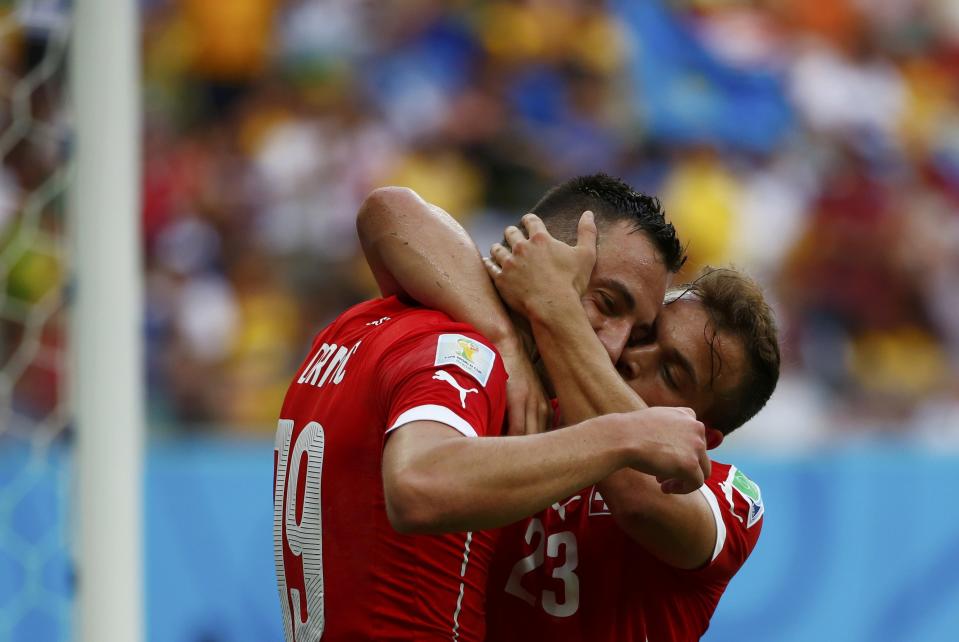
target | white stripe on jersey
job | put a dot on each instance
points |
(439, 414)
(459, 600)
(718, 517)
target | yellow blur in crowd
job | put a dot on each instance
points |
(267, 122)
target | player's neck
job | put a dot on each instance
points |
(525, 333)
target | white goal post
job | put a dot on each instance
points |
(106, 322)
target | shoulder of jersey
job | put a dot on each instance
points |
(738, 488)
(392, 313)
(397, 318)
(395, 321)
(389, 315)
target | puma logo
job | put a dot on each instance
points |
(561, 508)
(443, 375)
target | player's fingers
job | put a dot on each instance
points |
(546, 414)
(679, 486)
(705, 465)
(586, 231)
(532, 419)
(534, 224)
(491, 268)
(688, 411)
(542, 414)
(517, 421)
(499, 253)
(513, 235)
(670, 486)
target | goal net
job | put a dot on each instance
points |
(35, 561)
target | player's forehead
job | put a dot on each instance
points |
(685, 332)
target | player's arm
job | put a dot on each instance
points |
(680, 529)
(436, 480)
(418, 250)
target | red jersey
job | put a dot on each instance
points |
(571, 574)
(343, 572)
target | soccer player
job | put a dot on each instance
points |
(375, 451)
(621, 560)
(636, 257)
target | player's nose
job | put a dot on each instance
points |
(613, 335)
(637, 359)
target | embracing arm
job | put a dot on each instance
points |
(416, 249)
(677, 528)
(436, 480)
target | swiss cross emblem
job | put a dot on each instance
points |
(597, 505)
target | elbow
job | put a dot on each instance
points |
(384, 202)
(629, 519)
(408, 519)
(411, 507)
(629, 512)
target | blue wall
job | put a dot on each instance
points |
(856, 545)
(860, 545)
(36, 579)
(209, 539)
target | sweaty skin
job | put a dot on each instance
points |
(679, 529)
(580, 362)
(437, 481)
(418, 249)
(446, 274)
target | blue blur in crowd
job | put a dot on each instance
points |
(684, 95)
(440, 58)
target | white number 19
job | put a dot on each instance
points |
(298, 529)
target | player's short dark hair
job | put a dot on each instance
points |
(612, 201)
(736, 305)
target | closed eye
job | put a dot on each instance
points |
(638, 338)
(668, 378)
(624, 302)
(642, 335)
(608, 304)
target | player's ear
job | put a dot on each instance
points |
(714, 437)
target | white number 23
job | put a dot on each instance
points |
(552, 546)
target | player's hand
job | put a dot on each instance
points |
(671, 447)
(538, 275)
(528, 410)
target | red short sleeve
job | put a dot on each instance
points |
(736, 503)
(454, 378)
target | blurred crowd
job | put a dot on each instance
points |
(813, 143)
